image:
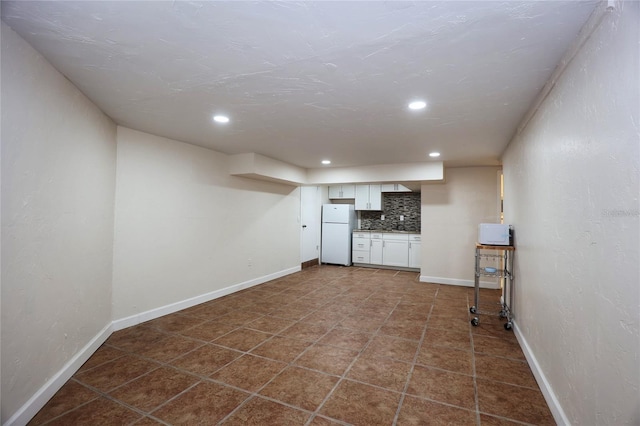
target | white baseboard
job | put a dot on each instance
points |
(46, 392)
(456, 281)
(187, 303)
(53, 385)
(550, 397)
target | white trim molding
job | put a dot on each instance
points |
(136, 319)
(46, 392)
(550, 397)
(459, 282)
(53, 385)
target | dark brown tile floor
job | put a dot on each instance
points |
(325, 346)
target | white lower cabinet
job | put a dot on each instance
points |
(415, 249)
(395, 250)
(360, 247)
(386, 249)
(376, 249)
(360, 256)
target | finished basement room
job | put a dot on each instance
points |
(320, 213)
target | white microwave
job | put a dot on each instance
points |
(494, 234)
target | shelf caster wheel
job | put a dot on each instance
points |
(475, 322)
(473, 309)
(508, 325)
(503, 314)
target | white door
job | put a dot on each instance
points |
(310, 206)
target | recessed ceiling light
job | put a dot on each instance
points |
(326, 161)
(434, 154)
(417, 105)
(220, 118)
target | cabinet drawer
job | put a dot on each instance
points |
(361, 234)
(415, 237)
(361, 244)
(359, 256)
(395, 237)
(376, 235)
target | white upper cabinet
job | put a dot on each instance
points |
(337, 192)
(394, 187)
(368, 197)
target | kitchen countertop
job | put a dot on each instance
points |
(390, 231)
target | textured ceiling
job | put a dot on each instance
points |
(305, 81)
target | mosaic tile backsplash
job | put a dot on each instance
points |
(394, 205)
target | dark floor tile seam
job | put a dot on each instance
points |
(343, 377)
(475, 377)
(103, 393)
(80, 370)
(502, 357)
(108, 397)
(216, 338)
(448, 404)
(162, 364)
(325, 417)
(444, 370)
(257, 395)
(98, 396)
(155, 419)
(147, 358)
(489, 379)
(496, 416)
(413, 365)
(148, 414)
(169, 400)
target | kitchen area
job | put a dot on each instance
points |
(372, 225)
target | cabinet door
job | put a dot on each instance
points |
(339, 192)
(376, 252)
(368, 197)
(415, 249)
(395, 253)
(362, 197)
(348, 191)
(375, 197)
(394, 187)
(335, 191)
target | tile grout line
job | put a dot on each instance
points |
(354, 294)
(355, 359)
(413, 364)
(288, 365)
(473, 368)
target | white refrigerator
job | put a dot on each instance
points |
(338, 221)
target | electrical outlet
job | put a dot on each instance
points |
(381, 217)
(249, 263)
(401, 217)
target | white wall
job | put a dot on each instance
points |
(184, 227)
(58, 177)
(571, 190)
(450, 216)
